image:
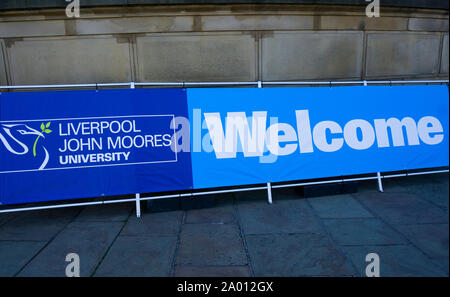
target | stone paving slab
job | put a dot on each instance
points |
(443, 263)
(362, 232)
(283, 216)
(154, 224)
(39, 225)
(90, 240)
(211, 244)
(216, 215)
(441, 178)
(323, 236)
(117, 212)
(198, 202)
(15, 254)
(132, 256)
(289, 193)
(365, 186)
(401, 208)
(296, 255)
(430, 238)
(212, 271)
(433, 188)
(338, 207)
(436, 193)
(398, 184)
(398, 261)
(8, 216)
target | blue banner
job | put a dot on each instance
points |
(251, 136)
(75, 144)
(59, 145)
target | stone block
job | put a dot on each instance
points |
(311, 55)
(218, 57)
(32, 28)
(3, 75)
(362, 23)
(134, 25)
(69, 60)
(444, 58)
(402, 54)
(256, 22)
(427, 24)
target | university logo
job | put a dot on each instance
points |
(86, 142)
(15, 138)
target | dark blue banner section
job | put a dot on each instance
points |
(75, 144)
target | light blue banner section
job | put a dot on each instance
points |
(315, 132)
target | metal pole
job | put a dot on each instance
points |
(138, 205)
(228, 83)
(380, 184)
(323, 182)
(269, 193)
(407, 81)
(268, 187)
(221, 83)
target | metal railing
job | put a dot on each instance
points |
(237, 83)
(258, 84)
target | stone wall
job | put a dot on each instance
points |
(32, 4)
(221, 43)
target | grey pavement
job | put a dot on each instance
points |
(242, 235)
